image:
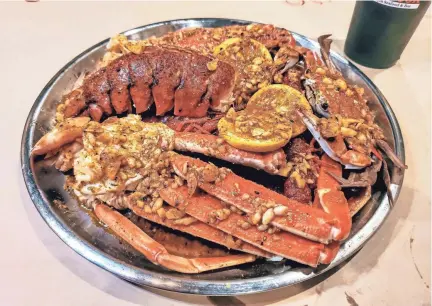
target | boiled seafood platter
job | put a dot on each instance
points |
(210, 156)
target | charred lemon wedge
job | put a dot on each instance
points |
(284, 100)
(254, 131)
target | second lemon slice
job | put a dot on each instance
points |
(252, 62)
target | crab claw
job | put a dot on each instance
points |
(389, 152)
(363, 179)
(311, 123)
(325, 43)
(345, 183)
(157, 253)
(387, 182)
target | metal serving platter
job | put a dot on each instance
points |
(76, 228)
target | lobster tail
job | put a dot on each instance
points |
(169, 77)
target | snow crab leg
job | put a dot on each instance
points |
(206, 144)
(256, 200)
(205, 207)
(329, 198)
(66, 132)
(211, 145)
(175, 219)
(157, 253)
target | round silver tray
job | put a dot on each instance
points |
(76, 228)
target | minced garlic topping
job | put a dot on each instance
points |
(115, 150)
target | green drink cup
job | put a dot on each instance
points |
(381, 29)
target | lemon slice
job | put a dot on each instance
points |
(252, 62)
(283, 100)
(248, 48)
(255, 132)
